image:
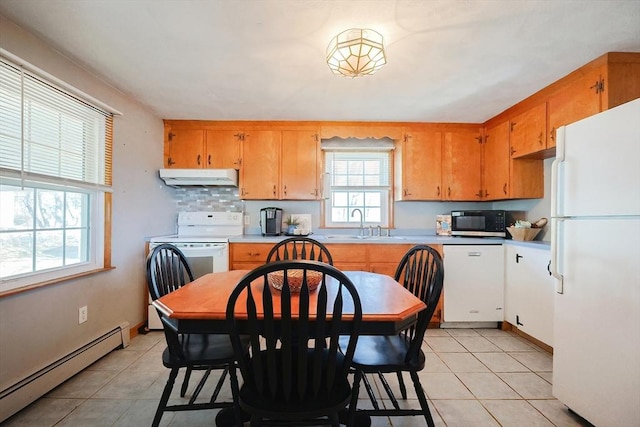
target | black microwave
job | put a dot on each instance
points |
(480, 223)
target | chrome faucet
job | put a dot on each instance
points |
(361, 220)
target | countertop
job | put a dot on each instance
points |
(400, 239)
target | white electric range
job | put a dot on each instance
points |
(203, 237)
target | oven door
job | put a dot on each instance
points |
(203, 258)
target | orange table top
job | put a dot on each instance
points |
(200, 306)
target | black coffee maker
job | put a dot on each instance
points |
(271, 221)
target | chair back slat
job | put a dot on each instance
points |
(301, 247)
(421, 272)
(167, 270)
(298, 357)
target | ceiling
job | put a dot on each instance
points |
(448, 60)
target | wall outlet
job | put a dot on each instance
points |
(247, 220)
(82, 314)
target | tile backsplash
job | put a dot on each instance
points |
(190, 199)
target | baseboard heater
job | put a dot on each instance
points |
(26, 391)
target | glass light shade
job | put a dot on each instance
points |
(356, 52)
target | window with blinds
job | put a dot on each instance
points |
(360, 178)
(55, 167)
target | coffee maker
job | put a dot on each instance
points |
(271, 221)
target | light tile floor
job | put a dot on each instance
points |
(473, 377)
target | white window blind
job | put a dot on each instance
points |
(55, 170)
(46, 132)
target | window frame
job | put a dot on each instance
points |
(385, 191)
(99, 193)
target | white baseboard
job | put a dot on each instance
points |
(28, 390)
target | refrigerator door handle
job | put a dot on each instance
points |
(555, 215)
(555, 250)
(555, 189)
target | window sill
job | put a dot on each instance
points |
(53, 282)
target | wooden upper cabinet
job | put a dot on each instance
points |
(604, 83)
(260, 169)
(184, 148)
(505, 177)
(420, 172)
(528, 131)
(222, 149)
(461, 164)
(299, 167)
(495, 169)
(577, 100)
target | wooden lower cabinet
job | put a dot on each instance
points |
(347, 256)
(247, 256)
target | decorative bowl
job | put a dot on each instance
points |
(294, 279)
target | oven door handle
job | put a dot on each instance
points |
(211, 249)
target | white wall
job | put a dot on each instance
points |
(39, 326)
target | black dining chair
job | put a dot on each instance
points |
(167, 271)
(421, 272)
(300, 248)
(294, 373)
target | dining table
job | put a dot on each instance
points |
(201, 306)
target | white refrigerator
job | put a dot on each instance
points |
(595, 249)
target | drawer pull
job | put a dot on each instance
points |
(474, 253)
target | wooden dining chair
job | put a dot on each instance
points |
(300, 248)
(167, 271)
(421, 272)
(294, 373)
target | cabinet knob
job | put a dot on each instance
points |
(438, 191)
(199, 156)
(540, 138)
(170, 162)
(552, 134)
(209, 160)
(504, 189)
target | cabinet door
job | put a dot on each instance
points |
(495, 171)
(462, 165)
(185, 149)
(349, 256)
(384, 259)
(422, 165)
(300, 165)
(529, 291)
(222, 149)
(528, 131)
(577, 100)
(473, 283)
(260, 167)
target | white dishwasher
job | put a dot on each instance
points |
(473, 283)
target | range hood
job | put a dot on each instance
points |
(199, 177)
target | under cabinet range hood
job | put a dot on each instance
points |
(199, 177)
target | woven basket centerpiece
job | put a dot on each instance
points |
(294, 279)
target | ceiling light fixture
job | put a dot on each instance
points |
(356, 52)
